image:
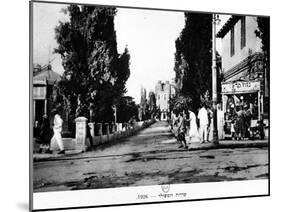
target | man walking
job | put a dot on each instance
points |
(57, 128)
(203, 122)
(182, 131)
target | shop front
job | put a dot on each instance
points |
(242, 95)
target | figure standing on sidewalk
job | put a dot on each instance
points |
(45, 135)
(182, 131)
(193, 130)
(210, 118)
(203, 122)
(240, 123)
(57, 128)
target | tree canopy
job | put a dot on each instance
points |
(95, 74)
(193, 57)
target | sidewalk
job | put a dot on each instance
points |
(195, 144)
(228, 144)
(45, 157)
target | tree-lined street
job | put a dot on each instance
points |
(151, 157)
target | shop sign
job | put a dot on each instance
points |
(241, 87)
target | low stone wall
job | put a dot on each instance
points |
(110, 136)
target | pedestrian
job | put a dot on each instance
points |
(45, 135)
(210, 117)
(248, 119)
(57, 128)
(240, 123)
(232, 129)
(173, 119)
(261, 126)
(182, 131)
(90, 137)
(193, 130)
(203, 121)
(36, 129)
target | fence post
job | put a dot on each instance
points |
(81, 132)
(107, 130)
(100, 131)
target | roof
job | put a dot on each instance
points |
(228, 25)
(47, 74)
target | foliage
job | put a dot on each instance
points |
(179, 103)
(263, 32)
(126, 109)
(193, 57)
(95, 74)
(152, 108)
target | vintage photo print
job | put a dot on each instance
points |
(138, 105)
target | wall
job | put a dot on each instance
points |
(252, 42)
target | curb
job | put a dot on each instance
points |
(50, 157)
(229, 146)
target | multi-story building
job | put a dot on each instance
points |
(163, 93)
(243, 67)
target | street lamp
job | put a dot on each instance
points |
(215, 21)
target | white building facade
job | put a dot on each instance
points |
(243, 68)
(163, 92)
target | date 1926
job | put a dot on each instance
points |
(142, 196)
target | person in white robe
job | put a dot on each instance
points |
(193, 130)
(57, 128)
(204, 122)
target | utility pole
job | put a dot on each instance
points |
(214, 79)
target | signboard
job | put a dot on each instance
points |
(240, 87)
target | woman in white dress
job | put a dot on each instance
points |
(57, 128)
(193, 130)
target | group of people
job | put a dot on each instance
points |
(241, 123)
(47, 137)
(180, 125)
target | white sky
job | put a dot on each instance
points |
(149, 34)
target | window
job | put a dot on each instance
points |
(232, 41)
(243, 32)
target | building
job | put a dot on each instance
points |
(44, 80)
(243, 68)
(163, 93)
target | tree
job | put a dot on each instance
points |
(193, 58)
(126, 109)
(263, 32)
(179, 103)
(95, 74)
(151, 104)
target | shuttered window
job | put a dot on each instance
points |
(243, 32)
(232, 41)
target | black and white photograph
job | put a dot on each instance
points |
(146, 105)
